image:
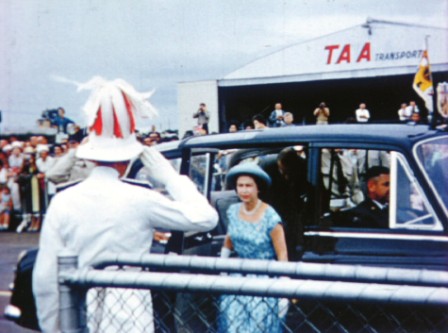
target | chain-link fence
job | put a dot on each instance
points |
(192, 301)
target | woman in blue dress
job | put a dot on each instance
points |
(254, 232)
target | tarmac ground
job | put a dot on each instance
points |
(11, 245)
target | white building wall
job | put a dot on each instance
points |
(189, 95)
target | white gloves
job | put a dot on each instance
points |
(225, 252)
(283, 306)
(159, 169)
(283, 303)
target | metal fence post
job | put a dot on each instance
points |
(71, 300)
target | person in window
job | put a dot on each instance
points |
(403, 113)
(289, 119)
(373, 212)
(203, 116)
(362, 114)
(276, 118)
(254, 232)
(233, 128)
(259, 122)
(412, 108)
(322, 114)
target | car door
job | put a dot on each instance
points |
(199, 165)
(414, 237)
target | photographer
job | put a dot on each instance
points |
(203, 117)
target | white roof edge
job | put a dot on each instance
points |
(363, 73)
(405, 24)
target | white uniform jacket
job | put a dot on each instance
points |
(102, 215)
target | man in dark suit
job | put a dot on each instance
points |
(373, 212)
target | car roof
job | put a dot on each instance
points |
(387, 134)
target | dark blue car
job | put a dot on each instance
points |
(320, 182)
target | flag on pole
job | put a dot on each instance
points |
(423, 82)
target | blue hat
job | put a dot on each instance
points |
(248, 169)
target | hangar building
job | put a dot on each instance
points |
(374, 63)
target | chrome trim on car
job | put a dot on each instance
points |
(345, 234)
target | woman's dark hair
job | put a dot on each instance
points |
(295, 165)
(259, 118)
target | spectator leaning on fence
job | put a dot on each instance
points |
(104, 215)
(254, 232)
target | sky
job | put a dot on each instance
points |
(156, 44)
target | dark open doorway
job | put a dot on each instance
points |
(383, 96)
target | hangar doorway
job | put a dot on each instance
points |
(383, 96)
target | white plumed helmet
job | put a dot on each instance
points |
(110, 111)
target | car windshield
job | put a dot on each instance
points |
(433, 155)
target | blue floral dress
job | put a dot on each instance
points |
(250, 241)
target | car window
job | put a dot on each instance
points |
(362, 188)
(346, 187)
(198, 173)
(433, 157)
(221, 165)
(409, 207)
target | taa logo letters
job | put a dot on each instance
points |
(336, 55)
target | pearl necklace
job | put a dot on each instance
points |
(253, 211)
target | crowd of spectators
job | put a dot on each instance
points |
(278, 117)
(31, 167)
(25, 191)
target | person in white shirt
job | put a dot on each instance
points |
(412, 108)
(44, 163)
(103, 215)
(403, 113)
(362, 114)
(276, 117)
(16, 159)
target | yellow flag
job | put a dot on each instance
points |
(423, 83)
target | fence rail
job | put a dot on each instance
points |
(314, 271)
(198, 302)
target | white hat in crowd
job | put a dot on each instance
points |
(111, 110)
(40, 148)
(7, 148)
(28, 150)
(17, 144)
